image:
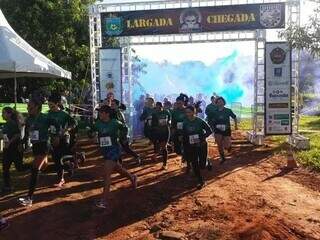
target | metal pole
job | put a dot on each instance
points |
(15, 86)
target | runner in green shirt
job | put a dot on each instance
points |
(195, 133)
(37, 133)
(147, 118)
(161, 131)
(12, 152)
(222, 127)
(178, 116)
(124, 139)
(108, 132)
(210, 111)
(66, 125)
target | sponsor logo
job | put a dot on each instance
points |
(278, 94)
(190, 21)
(278, 55)
(271, 15)
(114, 26)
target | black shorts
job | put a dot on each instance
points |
(40, 148)
(226, 133)
(197, 153)
(161, 136)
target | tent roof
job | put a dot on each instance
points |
(16, 55)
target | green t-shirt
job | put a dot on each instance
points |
(178, 116)
(147, 116)
(37, 128)
(109, 132)
(62, 118)
(222, 119)
(210, 112)
(161, 120)
(10, 129)
(195, 131)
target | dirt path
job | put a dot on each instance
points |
(248, 197)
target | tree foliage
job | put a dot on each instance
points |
(59, 30)
(306, 37)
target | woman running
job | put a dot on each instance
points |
(124, 140)
(108, 130)
(222, 127)
(37, 133)
(161, 131)
(195, 133)
(12, 152)
(66, 125)
(147, 118)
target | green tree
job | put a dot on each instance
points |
(306, 37)
(59, 30)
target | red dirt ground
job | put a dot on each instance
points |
(249, 197)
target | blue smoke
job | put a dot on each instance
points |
(230, 77)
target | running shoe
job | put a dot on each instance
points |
(209, 165)
(222, 160)
(164, 167)
(201, 185)
(3, 224)
(27, 201)
(60, 184)
(82, 157)
(101, 204)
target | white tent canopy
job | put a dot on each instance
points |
(19, 59)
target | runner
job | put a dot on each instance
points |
(66, 125)
(161, 131)
(211, 111)
(222, 127)
(178, 116)
(3, 223)
(124, 140)
(36, 133)
(195, 133)
(147, 118)
(108, 137)
(12, 152)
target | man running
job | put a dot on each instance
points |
(66, 125)
(222, 127)
(161, 131)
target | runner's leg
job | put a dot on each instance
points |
(219, 140)
(108, 169)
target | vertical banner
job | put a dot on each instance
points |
(278, 119)
(110, 72)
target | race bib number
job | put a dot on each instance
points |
(180, 125)
(105, 142)
(194, 139)
(53, 130)
(221, 127)
(5, 138)
(34, 135)
(163, 122)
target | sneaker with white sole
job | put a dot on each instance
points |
(101, 204)
(27, 201)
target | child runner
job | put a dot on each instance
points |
(195, 133)
(124, 140)
(66, 125)
(161, 131)
(222, 127)
(108, 130)
(12, 152)
(37, 132)
(147, 118)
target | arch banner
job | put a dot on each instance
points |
(193, 20)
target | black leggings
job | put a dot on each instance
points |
(178, 144)
(197, 156)
(57, 154)
(126, 147)
(11, 155)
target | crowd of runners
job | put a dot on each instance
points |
(168, 127)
